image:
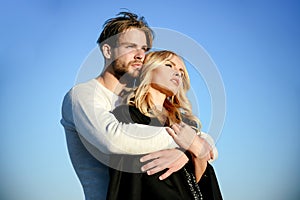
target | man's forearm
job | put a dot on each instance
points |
(101, 129)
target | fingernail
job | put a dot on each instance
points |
(143, 169)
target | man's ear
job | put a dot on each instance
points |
(106, 50)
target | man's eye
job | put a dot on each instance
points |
(168, 65)
(145, 49)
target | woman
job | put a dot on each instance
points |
(159, 100)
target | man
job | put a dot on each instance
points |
(92, 132)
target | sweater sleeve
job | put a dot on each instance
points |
(100, 130)
(211, 142)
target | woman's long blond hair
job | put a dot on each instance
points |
(176, 107)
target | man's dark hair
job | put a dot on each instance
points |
(124, 21)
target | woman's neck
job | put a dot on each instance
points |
(157, 98)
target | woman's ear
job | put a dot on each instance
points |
(106, 50)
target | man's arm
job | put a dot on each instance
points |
(99, 128)
(101, 132)
(174, 159)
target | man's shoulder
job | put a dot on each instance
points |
(90, 84)
(83, 88)
(80, 89)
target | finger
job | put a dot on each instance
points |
(176, 128)
(182, 124)
(182, 161)
(150, 156)
(166, 174)
(171, 132)
(148, 166)
(155, 166)
(155, 170)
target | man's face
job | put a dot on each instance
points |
(129, 53)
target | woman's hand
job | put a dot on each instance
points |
(182, 134)
(171, 159)
(200, 149)
(187, 139)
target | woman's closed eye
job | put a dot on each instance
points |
(169, 65)
(181, 73)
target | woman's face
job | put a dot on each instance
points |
(167, 78)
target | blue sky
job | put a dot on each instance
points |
(254, 44)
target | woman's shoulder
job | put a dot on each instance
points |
(131, 114)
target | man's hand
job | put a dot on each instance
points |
(171, 159)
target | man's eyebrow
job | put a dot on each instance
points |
(128, 43)
(134, 44)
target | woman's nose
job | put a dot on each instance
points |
(178, 74)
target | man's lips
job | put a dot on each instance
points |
(137, 65)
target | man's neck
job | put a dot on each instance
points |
(109, 81)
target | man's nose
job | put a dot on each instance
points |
(140, 54)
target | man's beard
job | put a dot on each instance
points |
(121, 70)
